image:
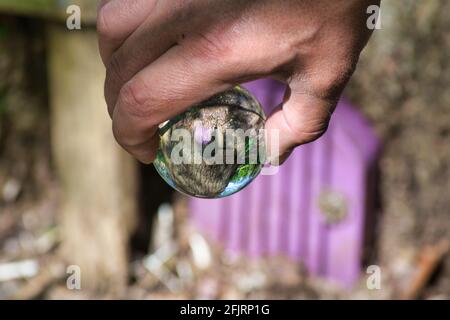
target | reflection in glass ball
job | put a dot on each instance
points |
(215, 148)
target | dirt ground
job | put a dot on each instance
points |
(401, 85)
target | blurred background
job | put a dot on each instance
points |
(80, 219)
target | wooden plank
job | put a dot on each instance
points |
(97, 178)
(50, 9)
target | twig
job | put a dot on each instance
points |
(34, 288)
(429, 260)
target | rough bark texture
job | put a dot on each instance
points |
(402, 85)
(97, 178)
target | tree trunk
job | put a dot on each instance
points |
(98, 180)
(402, 85)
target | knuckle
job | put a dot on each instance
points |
(214, 48)
(133, 139)
(127, 139)
(137, 99)
(314, 132)
(309, 131)
(132, 99)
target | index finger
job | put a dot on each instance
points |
(183, 76)
(117, 19)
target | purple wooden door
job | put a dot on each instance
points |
(313, 210)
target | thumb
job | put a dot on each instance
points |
(301, 118)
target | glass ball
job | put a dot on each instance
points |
(215, 148)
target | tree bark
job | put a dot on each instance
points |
(98, 180)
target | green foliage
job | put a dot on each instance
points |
(248, 170)
(244, 171)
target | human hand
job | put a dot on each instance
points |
(164, 56)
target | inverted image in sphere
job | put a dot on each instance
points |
(215, 148)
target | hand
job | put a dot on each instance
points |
(163, 56)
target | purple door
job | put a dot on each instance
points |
(314, 209)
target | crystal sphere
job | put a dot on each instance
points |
(215, 148)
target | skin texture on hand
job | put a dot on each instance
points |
(163, 56)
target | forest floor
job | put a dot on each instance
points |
(408, 104)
